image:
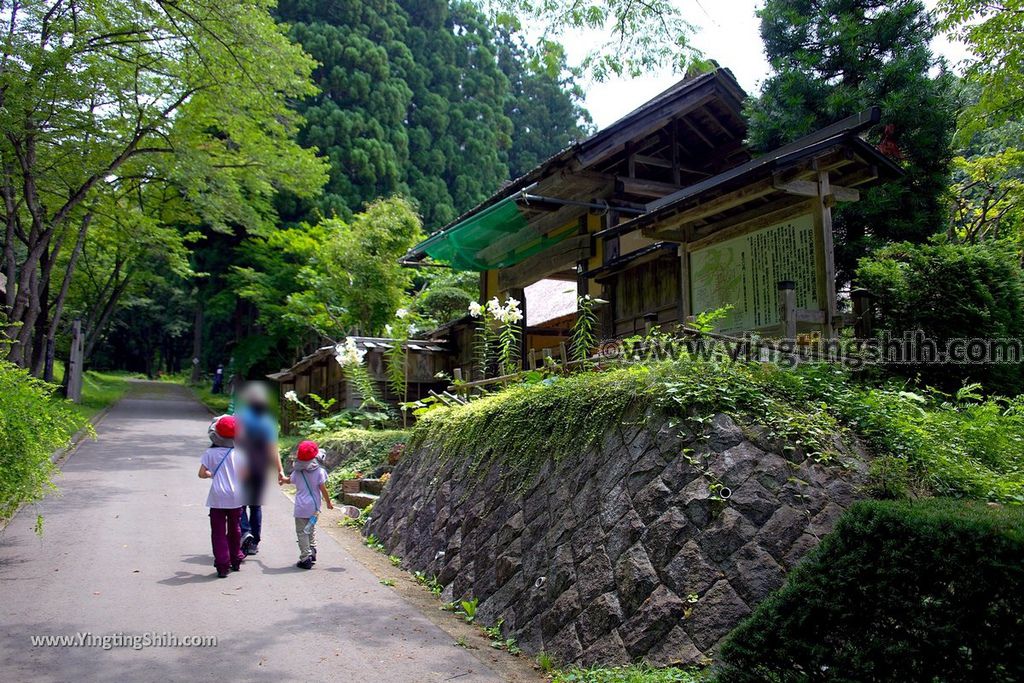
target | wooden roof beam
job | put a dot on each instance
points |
(693, 129)
(559, 257)
(714, 119)
(809, 188)
(723, 202)
(644, 188)
(645, 125)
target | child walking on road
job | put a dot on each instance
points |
(222, 465)
(310, 482)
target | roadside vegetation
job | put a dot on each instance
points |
(33, 424)
(637, 673)
(924, 441)
(100, 389)
(925, 591)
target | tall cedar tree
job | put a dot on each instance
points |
(833, 58)
(420, 97)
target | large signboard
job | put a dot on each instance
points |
(745, 271)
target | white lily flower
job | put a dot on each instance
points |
(475, 309)
(401, 313)
(348, 353)
(291, 396)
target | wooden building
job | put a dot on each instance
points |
(665, 214)
(319, 373)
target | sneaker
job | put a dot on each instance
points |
(313, 554)
(254, 548)
(247, 544)
(305, 564)
(222, 573)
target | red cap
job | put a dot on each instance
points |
(307, 450)
(226, 427)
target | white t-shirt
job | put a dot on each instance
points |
(226, 486)
(307, 488)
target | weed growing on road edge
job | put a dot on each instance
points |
(634, 673)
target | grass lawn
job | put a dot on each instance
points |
(218, 403)
(100, 389)
(203, 391)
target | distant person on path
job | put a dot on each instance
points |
(218, 380)
(225, 469)
(310, 482)
(258, 441)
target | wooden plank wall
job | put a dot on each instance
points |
(647, 289)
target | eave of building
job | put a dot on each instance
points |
(654, 150)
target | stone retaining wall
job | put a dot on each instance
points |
(625, 553)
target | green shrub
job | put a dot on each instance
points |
(925, 591)
(367, 450)
(969, 448)
(636, 673)
(33, 424)
(950, 292)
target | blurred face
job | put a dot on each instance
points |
(255, 397)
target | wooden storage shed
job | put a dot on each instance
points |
(319, 373)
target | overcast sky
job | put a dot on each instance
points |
(727, 31)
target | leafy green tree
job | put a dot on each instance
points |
(950, 291)
(634, 38)
(357, 119)
(343, 276)
(833, 58)
(422, 98)
(994, 32)
(177, 113)
(445, 295)
(544, 103)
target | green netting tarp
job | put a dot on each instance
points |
(496, 237)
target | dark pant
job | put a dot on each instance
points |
(252, 519)
(226, 537)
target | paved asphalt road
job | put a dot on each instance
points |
(126, 549)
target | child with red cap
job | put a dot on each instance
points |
(223, 466)
(310, 485)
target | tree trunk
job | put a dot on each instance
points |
(96, 329)
(197, 342)
(58, 304)
(39, 335)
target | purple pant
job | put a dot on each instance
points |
(226, 535)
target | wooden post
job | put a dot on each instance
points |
(825, 252)
(74, 369)
(519, 293)
(650, 320)
(684, 283)
(787, 308)
(862, 311)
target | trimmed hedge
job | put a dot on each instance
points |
(925, 591)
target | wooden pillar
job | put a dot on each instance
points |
(787, 308)
(519, 293)
(862, 312)
(582, 284)
(684, 284)
(75, 359)
(825, 252)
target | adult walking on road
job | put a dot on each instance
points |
(258, 441)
